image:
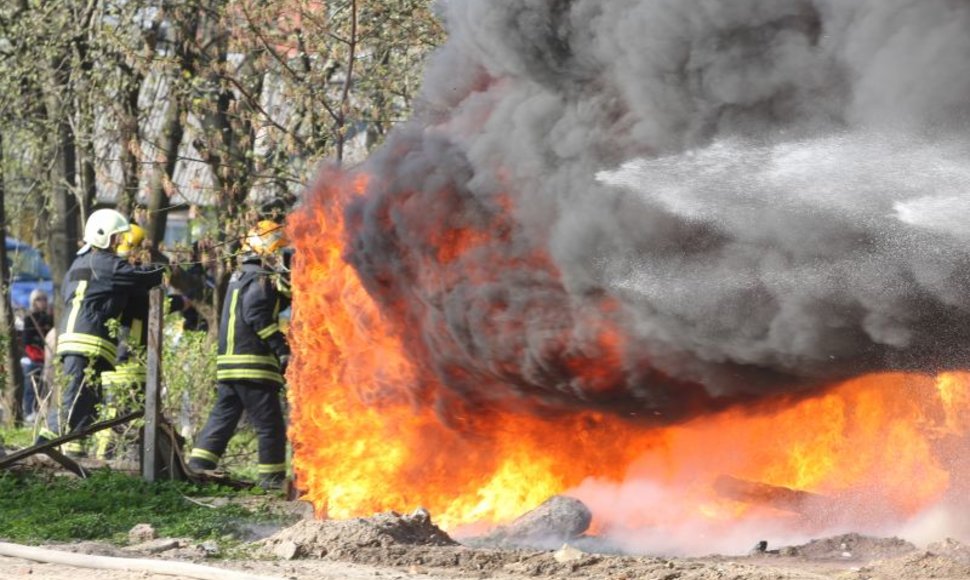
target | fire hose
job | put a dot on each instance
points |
(166, 567)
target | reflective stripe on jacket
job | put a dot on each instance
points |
(250, 339)
(97, 287)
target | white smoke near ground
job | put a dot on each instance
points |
(643, 515)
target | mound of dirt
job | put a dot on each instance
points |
(853, 546)
(951, 549)
(341, 538)
(917, 566)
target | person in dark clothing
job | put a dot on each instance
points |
(96, 289)
(252, 358)
(129, 372)
(191, 319)
(125, 385)
(37, 323)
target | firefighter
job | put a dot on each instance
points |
(96, 290)
(133, 331)
(125, 384)
(252, 358)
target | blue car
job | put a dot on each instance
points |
(27, 272)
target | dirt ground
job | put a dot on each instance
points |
(393, 546)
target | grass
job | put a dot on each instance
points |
(38, 508)
(41, 507)
(17, 437)
(239, 461)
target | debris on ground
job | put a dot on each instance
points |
(851, 547)
(568, 554)
(410, 546)
(141, 533)
(556, 521)
(952, 549)
(320, 538)
(157, 546)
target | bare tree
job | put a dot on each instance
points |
(255, 92)
(11, 356)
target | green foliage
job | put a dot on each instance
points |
(16, 437)
(189, 372)
(103, 97)
(108, 504)
(102, 100)
(188, 381)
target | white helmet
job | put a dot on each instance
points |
(101, 225)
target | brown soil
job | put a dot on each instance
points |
(397, 546)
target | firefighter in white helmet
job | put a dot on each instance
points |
(96, 289)
(252, 358)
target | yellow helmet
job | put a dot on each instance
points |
(268, 237)
(131, 240)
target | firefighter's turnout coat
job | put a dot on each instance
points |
(96, 290)
(250, 340)
(248, 370)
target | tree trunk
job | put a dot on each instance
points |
(89, 185)
(64, 231)
(173, 129)
(164, 171)
(348, 80)
(11, 351)
(130, 141)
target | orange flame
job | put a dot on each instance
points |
(364, 442)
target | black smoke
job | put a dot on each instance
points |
(707, 202)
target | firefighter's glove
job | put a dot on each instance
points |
(284, 363)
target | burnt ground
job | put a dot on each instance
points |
(410, 546)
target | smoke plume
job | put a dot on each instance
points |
(658, 207)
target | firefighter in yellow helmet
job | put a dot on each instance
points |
(131, 241)
(133, 332)
(252, 358)
(96, 289)
(125, 384)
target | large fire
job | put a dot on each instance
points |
(367, 439)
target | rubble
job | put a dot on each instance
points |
(141, 533)
(322, 538)
(567, 554)
(156, 546)
(286, 550)
(852, 547)
(951, 549)
(778, 497)
(557, 520)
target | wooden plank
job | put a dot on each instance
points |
(67, 463)
(47, 445)
(153, 386)
(778, 497)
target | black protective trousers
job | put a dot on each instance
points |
(262, 403)
(81, 396)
